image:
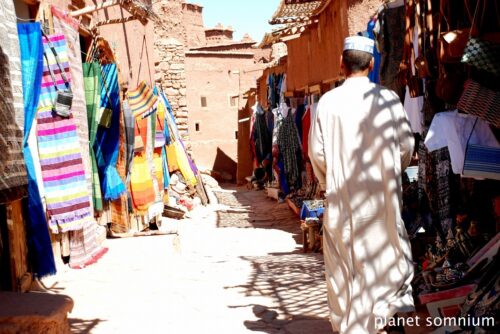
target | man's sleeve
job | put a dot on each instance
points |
(317, 149)
(405, 135)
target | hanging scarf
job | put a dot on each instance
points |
(108, 139)
(30, 40)
(92, 82)
(290, 151)
(66, 192)
(12, 171)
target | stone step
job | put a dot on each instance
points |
(34, 313)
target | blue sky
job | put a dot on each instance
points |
(245, 16)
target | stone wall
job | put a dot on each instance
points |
(169, 45)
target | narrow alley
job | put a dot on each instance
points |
(233, 267)
(252, 166)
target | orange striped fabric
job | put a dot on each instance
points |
(141, 184)
(142, 101)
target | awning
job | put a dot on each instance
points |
(293, 11)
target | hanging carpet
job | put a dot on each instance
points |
(66, 192)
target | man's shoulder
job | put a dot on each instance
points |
(386, 92)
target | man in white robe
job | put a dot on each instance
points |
(360, 144)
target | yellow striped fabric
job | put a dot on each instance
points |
(141, 100)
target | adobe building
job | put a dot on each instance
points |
(219, 70)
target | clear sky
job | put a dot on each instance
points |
(245, 16)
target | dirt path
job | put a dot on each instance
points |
(235, 267)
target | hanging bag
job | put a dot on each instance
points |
(421, 64)
(480, 101)
(481, 161)
(451, 43)
(64, 98)
(481, 53)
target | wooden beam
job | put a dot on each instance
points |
(114, 21)
(93, 8)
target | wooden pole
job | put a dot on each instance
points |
(113, 21)
(93, 8)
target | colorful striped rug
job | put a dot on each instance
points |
(63, 174)
(142, 100)
(68, 26)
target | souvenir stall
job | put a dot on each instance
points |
(279, 144)
(441, 58)
(99, 159)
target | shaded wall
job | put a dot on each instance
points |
(245, 165)
(315, 56)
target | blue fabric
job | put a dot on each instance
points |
(374, 75)
(482, 162)
(107, 142)
(283, 184)
(30, 40)
(166, 134)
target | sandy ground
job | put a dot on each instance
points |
(235, 267)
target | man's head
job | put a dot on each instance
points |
(357, 58)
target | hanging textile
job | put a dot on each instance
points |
(299, 113)
(290, 151)
(181, 161)
(142, 100)
(108, 139)
(120, 222)
(306, 125)
(162, 116)
(141, 181)
(374, 74)
(173, 164)
(167, 112)
(84, 246)
(262, 138)
(390, 41)
(92, 82)
(69, 27)
(129, 136)
(12, 171)
(30, 40)
(141, 184)
(192, 165)
(66, 193)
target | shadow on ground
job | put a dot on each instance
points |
(81, 326)
(253, 209)
(294, 281)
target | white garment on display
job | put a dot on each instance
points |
(453, 130)
(360, 143)
(413, 108)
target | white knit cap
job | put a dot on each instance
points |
(359, 43)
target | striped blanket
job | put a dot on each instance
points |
(142, 100)
(68, 26)
(92, 82)
(66, 192)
